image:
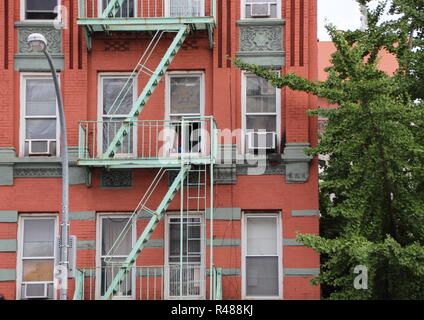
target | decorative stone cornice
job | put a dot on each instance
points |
(26, 59)
(53, 36)
(270, 169)
(12, 167)
(261, 42)
(297, 162)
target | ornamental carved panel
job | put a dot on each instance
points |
(53, 37)
(260, 38)
(117, 178)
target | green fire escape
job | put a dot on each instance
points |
(158, 20)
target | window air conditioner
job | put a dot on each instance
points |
(260, 9)
(39, 147)
(35, 290)
(262, 140)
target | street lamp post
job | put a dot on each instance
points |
(38, 43)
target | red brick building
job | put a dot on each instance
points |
(156, 111)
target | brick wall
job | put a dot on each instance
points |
(119, 53)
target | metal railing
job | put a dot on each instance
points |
(149, 8)
(149, 283)
(188, 138)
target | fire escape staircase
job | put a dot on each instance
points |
(147, 91)
(157, 215)
(107, 22)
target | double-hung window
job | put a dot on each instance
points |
(127, 9)
(40, 9)
(261, 114)
(186, 100)
(117, 95)
(37, 245)
(185, 270)
(185, 8)
(254, 9)
(39, 123)
(112, 255)
(261, 259)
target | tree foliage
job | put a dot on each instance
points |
(375, 175)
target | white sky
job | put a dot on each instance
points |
(342, 13)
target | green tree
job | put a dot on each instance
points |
(375, 175)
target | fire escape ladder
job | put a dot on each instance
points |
(151, 226)
(145, 95)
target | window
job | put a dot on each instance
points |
(127, 9)
(185, 8)
(254, 9)
(40, 9)
(39, 124)
(117, 97)
(261, 260)
(261, 114)
(37, 247)
(191, 271)
(111, 256)
(186, 99)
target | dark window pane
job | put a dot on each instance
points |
(38, 237)
(40, 9)
(265, 123)
(185, 95)
(43, 5)
(111, 228)
(118, 96)
(126, 10)
(191, 241)
(262, 276)
(41, 129)
(260, 95)
(40, 97)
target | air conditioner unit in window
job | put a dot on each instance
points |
(39, 147)
(260, 9)
(261, 140)
(38, 290)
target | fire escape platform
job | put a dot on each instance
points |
(145, 24)
(144, 162)
(150, 15)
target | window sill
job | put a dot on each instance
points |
(39, 23)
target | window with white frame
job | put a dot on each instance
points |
(37, 247)
(261, 115)
(112, 254)
(117, 96)
(127, 9)
(186, 265)
(254, 9)
(185, 8)
(39, 123)
(186, 99)
(261, 260)
(40, 9)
